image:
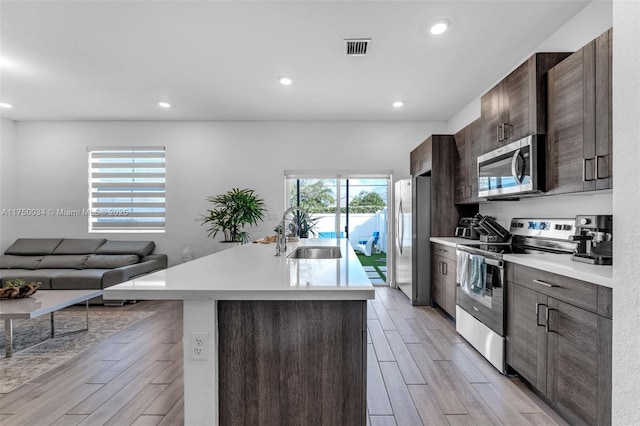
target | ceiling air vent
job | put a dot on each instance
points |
(357, 46)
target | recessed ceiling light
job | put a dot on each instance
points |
(285, 80)
(164, 105)
(398, 104)
(5, 105)
(439, 26)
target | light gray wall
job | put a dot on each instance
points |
(7, 177)
(626, 204)
(556, 206)
(203, 158)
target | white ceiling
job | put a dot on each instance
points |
(214, 60)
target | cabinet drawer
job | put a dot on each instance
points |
(569, 290)
(444, 251)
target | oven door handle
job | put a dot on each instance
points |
(493, 262)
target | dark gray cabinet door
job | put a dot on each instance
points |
(492, 115)
(516, 103)
(603, 110)
(437, 281)
(567, 168)
(579, 136)
(475, 148)
(449, 286)
(574, 375)
(526, 335)
(462, 191)
(469, 145)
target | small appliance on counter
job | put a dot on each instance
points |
(594, 237)
(468, 228)
(491, 231)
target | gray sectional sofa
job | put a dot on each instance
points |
(70, 263)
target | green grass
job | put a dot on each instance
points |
(375, 260)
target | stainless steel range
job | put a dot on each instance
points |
(480, 276)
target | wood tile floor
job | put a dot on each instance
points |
(419, 372)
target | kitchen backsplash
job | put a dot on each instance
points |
(553, 206)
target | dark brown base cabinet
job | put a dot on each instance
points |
(443, 277)
(559, 340)
(292, 362)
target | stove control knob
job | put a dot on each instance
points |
(585, 221)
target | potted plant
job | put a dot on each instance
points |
(231, 212)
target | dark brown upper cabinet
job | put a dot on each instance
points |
(435, 157)
(579, 140)
(516, 107)
(469, 145)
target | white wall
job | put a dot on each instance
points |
(555, 206)
(7, 177)
(626, 204)
(203, 158)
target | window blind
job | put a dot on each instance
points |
(127, 189)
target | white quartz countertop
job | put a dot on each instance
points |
(449, 241)
(252, 272)
(560, 264)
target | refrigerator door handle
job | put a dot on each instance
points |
(399, 230)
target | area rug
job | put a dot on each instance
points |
(28, 364)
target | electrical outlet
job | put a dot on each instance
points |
(200, 345)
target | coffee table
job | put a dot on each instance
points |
(40, 303)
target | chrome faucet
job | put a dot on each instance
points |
(281, 244)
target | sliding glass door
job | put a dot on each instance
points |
(353, 207)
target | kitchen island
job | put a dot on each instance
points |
(271, 338)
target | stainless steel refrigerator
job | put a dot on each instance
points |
(411, 252)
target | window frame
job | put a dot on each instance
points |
(147, 188)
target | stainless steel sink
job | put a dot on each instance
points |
(316, 252)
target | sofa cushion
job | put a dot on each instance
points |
(79, 246)
(69, 261)
(110, 261)
(140, 248)
(33, 246)
(85, 279)
(43, 276)
(9, 261)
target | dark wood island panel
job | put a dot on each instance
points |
(292, 362)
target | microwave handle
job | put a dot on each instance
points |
(516, 163)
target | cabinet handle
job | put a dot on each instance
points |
(439, 267)
(546, 319)
(498, 132)
(597, 172)
(445, 269)
(584, 170)
(544, 283)
(470, 192)
(546, 315)
(538, 314)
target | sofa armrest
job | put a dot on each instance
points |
(125, 273)
(161, 259)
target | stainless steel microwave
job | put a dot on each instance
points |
(513, 169)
